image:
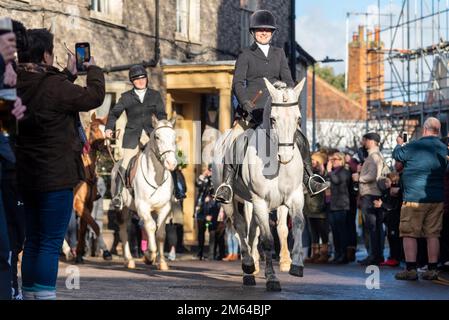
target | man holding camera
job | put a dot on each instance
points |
(139, 104)
(425, 162)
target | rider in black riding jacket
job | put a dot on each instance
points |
(139, 104)
(261, 60)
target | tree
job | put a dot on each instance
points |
(328, 75)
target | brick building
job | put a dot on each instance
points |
(366, 67)
(199, 41)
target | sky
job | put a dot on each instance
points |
(321, 31)
(321, 25)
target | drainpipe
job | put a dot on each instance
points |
(157, 51)
(293, 41)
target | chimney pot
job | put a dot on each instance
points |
(377, 34)
(361, 33)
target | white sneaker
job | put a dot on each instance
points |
(172, 256)
(423, 269)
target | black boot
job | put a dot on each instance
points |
(224, 191)
(314, 187)
(117, 199)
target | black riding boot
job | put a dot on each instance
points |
(313, 186)
(224, 191)
(117, 200)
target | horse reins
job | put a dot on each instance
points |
(108, 146)
(285, 104)
(156, 154)
(159, 158)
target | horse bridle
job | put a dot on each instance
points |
(285, 104)
(158, 154)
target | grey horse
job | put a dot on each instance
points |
(270, 178)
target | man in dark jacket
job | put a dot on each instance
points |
(425, 162)
(48, 151)
(262, 60)
(139, 104)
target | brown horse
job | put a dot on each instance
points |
(86, 191)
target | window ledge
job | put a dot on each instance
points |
(182, 38)
(107, 18)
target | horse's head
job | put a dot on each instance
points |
(164, 142)
(96, 132)
(284, 117)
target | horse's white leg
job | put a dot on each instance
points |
(129, 261)
(241, 226)
(253, 235)
(282, 229)
(255, 246)
(66, 249)
(261, 213)
(297, 267)
(144, 212)
(160, 235)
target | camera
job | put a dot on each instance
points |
(405, 137)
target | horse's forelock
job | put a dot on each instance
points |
(164, 123)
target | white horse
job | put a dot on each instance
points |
(269, 182)
(153, 188)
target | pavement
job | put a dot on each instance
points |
(191, 279)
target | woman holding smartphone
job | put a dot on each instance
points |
(49, 156)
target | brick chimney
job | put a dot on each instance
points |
(365, 67)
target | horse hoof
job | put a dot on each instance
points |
(257, 270)
(147, 260)
(107, 255)
(163, 266)
(248, 269)
(273, 286)
(131, 264)
(79, 260)
(297, 271)
(249, 280)
(285, 267)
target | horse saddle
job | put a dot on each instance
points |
(131, 170)
(239, 148)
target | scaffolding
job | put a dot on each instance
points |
(415, 54)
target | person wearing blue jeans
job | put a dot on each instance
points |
(233, 245)
(47, 218)
(49, 145)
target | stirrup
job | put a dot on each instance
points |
(310, 187)
(222, 200)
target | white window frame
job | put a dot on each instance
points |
(107, 10)
(188, 20)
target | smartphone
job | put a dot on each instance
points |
(405, 137)
(82, 52)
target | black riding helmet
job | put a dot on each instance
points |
(262, 19)
(137, 72)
